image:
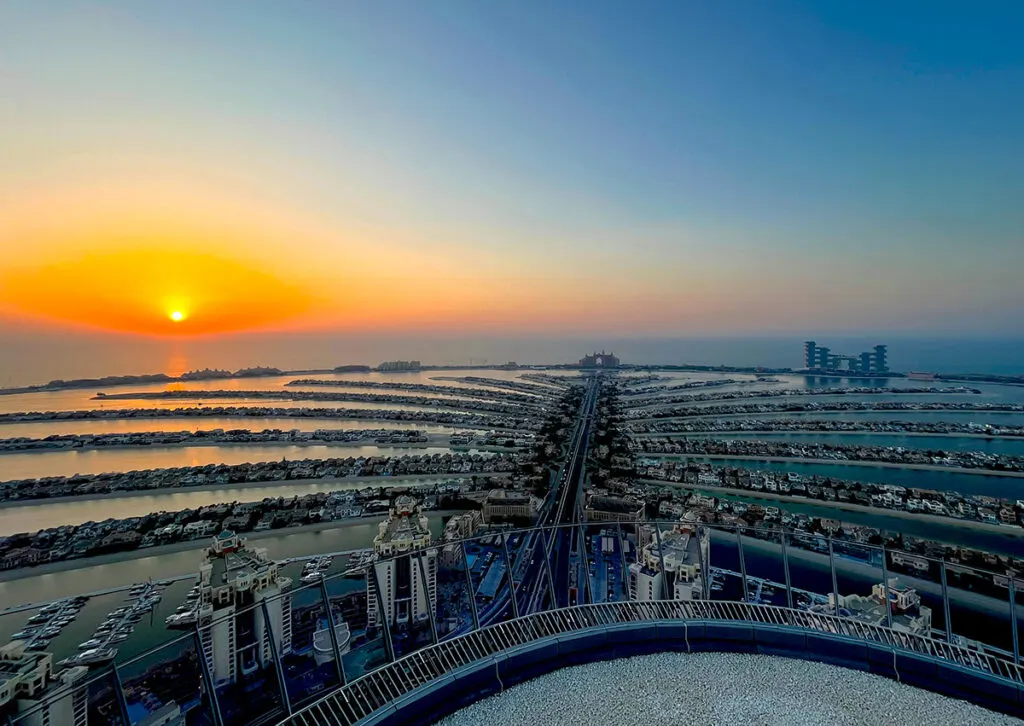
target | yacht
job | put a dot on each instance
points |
(310, 577)
(90, 644)
(96, 656)
(25, 634)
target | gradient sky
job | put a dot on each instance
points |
(626, 168)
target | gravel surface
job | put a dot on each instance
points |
(717, 688)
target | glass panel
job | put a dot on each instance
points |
(762, 555)
(454, 614)
(978, 608)
(309, 665)
(490, 579)
(101, 702)
(237, 648)
(349, 596)
(79, 695)
(861, 592)
(406, 605)
(631, 536)
(601, 550)
(167, 684)
(726, 582)
(924, 574)
(809, 571)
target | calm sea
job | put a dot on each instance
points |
(33, 357)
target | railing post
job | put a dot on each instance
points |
(661, 562)
(885, 589)
(511, 577)
(382, 617)
(426, 594)
(122, 702)
(268, 633)
(743, 565)
(211, 688)
(945, 602)
(785, 568)
(549, 576)
(334, 636)
(1013, 618)
(705, 567)
(835, 580)
(471, 589)
(623, 569)
(582, 540)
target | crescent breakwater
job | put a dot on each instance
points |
(394, 399)
(536, 391)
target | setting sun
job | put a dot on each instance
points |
(177, 316)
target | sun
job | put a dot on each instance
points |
(177, 316)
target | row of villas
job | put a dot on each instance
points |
(183, 477)
(91, 538)
(978, 507)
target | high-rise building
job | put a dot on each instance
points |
(29, 688)
(407, 584)
(820, 358)
(670, 565)
(235, 636)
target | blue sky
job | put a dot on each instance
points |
(712, 166)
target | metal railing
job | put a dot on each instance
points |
(470, 599)
(375, 691)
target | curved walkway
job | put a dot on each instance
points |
(433, 682)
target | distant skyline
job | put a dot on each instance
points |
(605, 170)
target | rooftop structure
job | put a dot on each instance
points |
(503, 505)
(232, 578)
(28, 685)
(670, 564)
(399, 365)
(905, 608)
(602, 508)
(404, 585)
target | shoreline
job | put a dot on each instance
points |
(51, 568)
(129, 494)
(845, 462)
(1006, 530)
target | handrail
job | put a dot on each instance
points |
(373, 692)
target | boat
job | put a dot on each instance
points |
(52, 608)
(314, 576)
(38, 618)
(90, 644)
(38, 644)
(25, 634)
(96, 656)
(119, 638)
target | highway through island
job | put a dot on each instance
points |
(547, 562)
